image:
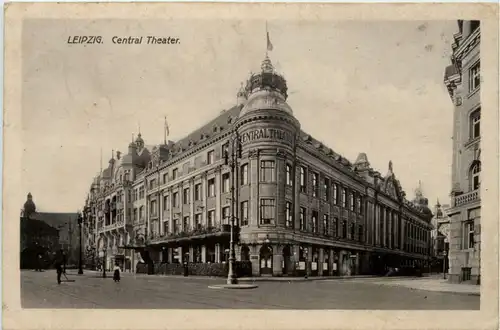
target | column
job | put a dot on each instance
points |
(217, 253)
(191, 254)
(280, 189)
(320, 262)
(331, 261)
(390, 228)
(253, 177)
(171, 210)
(218, 194)
(191, 206)
(296, 201)
(277, 261)
(180, 254)
(204, 197)
(203, 253)
(160, 216)
(309, 260)
(377, 224)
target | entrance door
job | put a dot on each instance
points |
(266, 260)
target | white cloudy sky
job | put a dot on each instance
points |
(373, 87)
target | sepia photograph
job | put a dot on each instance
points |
(252, 163)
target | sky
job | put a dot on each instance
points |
(357, 86)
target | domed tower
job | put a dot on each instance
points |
(267, 131)
(266, 120)
(421, 202)
(29, 206)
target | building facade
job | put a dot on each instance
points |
(463, 81)
(440, 236)
(299, 207)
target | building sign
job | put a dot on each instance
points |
(267, 134)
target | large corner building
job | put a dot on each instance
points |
(299, 207)
(463, 81)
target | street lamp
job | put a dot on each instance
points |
(80, 266)
(444, 264)
(104, 260)
(232, 161)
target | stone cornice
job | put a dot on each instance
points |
(466, 46)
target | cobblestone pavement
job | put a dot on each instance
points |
(40, 290)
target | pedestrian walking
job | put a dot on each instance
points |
(116, 273)
(59, 264)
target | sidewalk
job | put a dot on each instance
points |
(433, 284)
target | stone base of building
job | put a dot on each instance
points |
(456, 279)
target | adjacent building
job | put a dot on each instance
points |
(440, 235)
(42, 228)
(462, 78)
(299, 206)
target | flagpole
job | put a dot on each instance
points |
(165, 131)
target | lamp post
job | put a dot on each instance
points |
(444, 264)
(104, 259)
(232, 160)
(80, 252)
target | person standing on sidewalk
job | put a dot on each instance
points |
(59, 263)
(116, 272)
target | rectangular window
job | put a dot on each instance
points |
(152, 208)
(225, 149)
(185, 224)
(197, 221)
(351, 201)
(175, 226)
(335, 194)
(210, 157)
(475, 122)
(303, 179)
(289, 175)
(165, 178)
(344, 228)
(267, 171)
(152, 184)
(352, 231)
(466, 273)
(211, 188)
(325, 225)
(185, 197)
(225, 182)
(244, 174)
(344, 197)
(360, 233)
(166, 229)
(210, 218)
(225, 215)
(314, 221)
(468, 230)
(165, 203)
(335, 228)
(174, 173)
(326, 189)
(175, 199)
(474, 77)
(359, 205)
(244, 213)
(289, 215)
(197, 192)
(315, 184)
(302, 218)
(267, 210)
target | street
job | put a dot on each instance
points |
(40, 290)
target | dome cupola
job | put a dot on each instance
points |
(266, 90)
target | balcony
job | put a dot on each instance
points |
(468, 198)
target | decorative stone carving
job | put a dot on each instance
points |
(253, 153)
(280, 153)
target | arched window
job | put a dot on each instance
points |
(475, 175)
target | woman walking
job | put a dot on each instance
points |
(116, 273)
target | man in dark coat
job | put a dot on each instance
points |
(60, 264)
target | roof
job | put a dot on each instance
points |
(450, 71)
(55, 219)
(222, 122)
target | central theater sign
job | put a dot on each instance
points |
(267, 134)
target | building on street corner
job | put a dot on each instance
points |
(300, 208)
(463, 81)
